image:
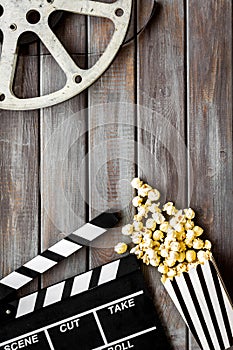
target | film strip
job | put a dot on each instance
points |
(202, 300)
(105, 308)
(86, 234)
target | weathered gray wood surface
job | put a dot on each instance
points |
(180, 70)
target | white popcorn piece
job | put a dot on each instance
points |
(136, 183)
(144, 190)
(189, 213)
(154, 195)
(121, 248)
(127, 230)
(137, 201)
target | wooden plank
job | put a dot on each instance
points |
(19, 174)
(162, 159)
(115, 161)
(210, 124)
(63, 208)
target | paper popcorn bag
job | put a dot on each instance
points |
(171, 240)
(202, 300)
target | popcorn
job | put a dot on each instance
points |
(189, 213)
(151, 224)
(170, 209)
(163, 269)
(164, 227)
(179, 228)
(198, 230)
(190, 235)
(170, 262)
(180, 217)
(137, 201)
(127, 230)
(171, 235)
(121, 248)
(137, 218)
(202, 256)
(148, 242)
(159, 218)
(151, 254)
(148, 202)
(164, 252)
(139, 254)
(136, 183)
(154, 208)
(146, 260)
(191, 255)
(143, 210)
(182, 246)
(171, 273)
(136, 238)
(154, 195)
(137, 225)
(189, 225)
(155, 262)
(198, 243)
(189, 242)
(181, 236)
(147, 233)
(158, 235)
(156, 245)
(181, 268)
(208, 245)
(181, 257)
(174, 255)
(175, 247)
(144, 190)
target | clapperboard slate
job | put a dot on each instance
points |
(105, 308)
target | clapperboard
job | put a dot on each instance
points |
(105, 308)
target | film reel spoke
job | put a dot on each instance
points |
(58, 52)
(8, 64)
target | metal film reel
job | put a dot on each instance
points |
(19, 17)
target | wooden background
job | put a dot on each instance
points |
(180, 66)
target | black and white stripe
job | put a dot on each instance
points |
(59, 251)
(205, 306)
(71, 287)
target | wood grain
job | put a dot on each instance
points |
(19, 179)
(210, 124)
(115, 165)
(63, 208)
(162, 161)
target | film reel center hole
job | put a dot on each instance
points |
(33, 16)
(1, 10)
(119, 12)
(2, 97)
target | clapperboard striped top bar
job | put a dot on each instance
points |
(58, 252)
(206, 308)
(68, 288)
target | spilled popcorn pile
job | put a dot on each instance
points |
(166, 238)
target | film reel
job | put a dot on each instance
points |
(33, 16)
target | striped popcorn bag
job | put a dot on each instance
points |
(170, 240)
(202, 300)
